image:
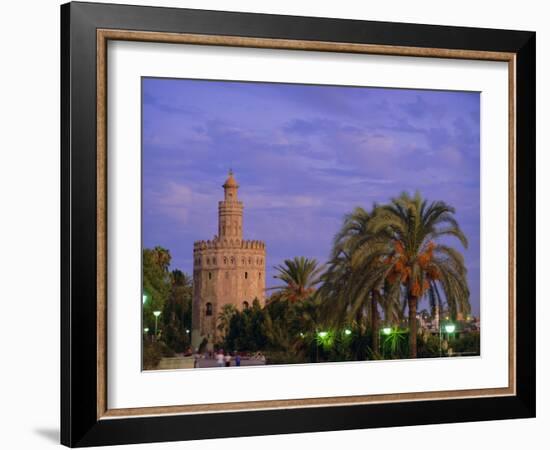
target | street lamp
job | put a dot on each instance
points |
(386, 331)
(347, 331)
(323, 334)
(156, 314)
(146, 330)
(450, 328)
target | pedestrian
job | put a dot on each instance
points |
(219, 358)
(238, 360)
(227, 360)
(196, 357)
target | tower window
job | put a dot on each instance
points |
(209, 309)
(246, 275)
(209, 275)
(259, 274)
(245, 305)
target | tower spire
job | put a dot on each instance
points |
(230, 213)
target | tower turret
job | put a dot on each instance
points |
(230, 211)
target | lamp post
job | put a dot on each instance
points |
(449, 329)
(386, 331)
(156, 314)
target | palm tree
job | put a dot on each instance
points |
(300, 276)
(414, 256)
(355, 282)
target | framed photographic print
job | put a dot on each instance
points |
(276, 224)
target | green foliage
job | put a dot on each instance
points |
(245, 329)
(395, 345)
(300, 276)
(467, 343)
(176, 314)
(156, 283)
(152, 354)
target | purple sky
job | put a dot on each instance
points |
(304, 156)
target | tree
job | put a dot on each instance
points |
(355, 282)
(409, 232)
(156, 282)
(300, 276)
(176, 314)
(224, 318)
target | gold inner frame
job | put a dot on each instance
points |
(104, 35)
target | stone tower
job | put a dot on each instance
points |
(226, 269)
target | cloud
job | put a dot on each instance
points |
(304, 157)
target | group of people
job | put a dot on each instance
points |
(224, 360)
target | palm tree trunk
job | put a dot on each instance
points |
(412, 325)
(374, 321)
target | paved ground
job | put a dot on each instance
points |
(186, 362)
(244, 362)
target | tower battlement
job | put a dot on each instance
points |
(217, 243)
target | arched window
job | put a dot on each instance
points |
(209, 275)
(209, 309)
(245, 305)
(213, 260)
(242, 260)
(207, 260)
(259, 275)
(232, 260)
(246, 275)
(249, 260)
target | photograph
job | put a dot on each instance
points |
(300, 224)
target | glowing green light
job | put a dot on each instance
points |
(323, 334)
(386, 331)
(347, 332)
(450, 328)
(301, 334)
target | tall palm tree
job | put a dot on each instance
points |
(415, 257)
(355, 282)
(300, 277)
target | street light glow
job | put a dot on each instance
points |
(144, 298)
(187, 331)
(386, 330)
(347, 331)
(156, 313)
(450, 328)
(323, 334)
(146, 330)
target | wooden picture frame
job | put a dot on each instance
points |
(85, 416)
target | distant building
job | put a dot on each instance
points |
(226, 269)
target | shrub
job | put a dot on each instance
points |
(151, 355)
